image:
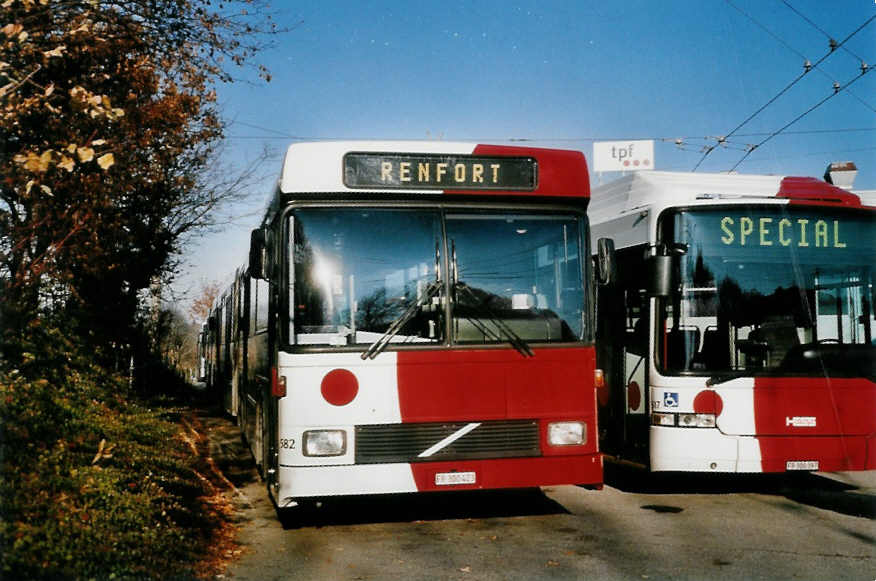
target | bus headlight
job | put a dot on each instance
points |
(325, 443)
(696, 420)
(567, 433)
(683, 420)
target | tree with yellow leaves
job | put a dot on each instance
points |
(108, 124)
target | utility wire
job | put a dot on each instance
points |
(818, 28)
(783, 91)
(771, 159)
(806, 69)
(836, 92)
(767, 30)
(675, 139)
(830, 38)
(280, 134)
(722, 139)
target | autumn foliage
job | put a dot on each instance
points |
(108, 127)
(108, 123)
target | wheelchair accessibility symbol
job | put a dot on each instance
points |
(670, 399)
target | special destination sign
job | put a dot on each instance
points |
(425, 171)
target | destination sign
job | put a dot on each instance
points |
(782, 231)
(439, 171)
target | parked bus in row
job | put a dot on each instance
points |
(737, 334)
(415, 316)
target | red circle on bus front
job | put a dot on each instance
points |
(634, 396)
(339, 387)
(708, 402)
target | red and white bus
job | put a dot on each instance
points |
(738, 332)
(415, 316)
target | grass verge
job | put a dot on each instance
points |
(96, 484)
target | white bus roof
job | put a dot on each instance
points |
(316, 166)
(640, 190)
(868, 197)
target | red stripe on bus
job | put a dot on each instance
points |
(810, 191)
(561, 173)
(831, 421)
(490, 384)
(511, 472)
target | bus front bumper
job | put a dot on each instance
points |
(708, 450)
(298, 482)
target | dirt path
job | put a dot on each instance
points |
(227, 463)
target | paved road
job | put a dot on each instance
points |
(638, 527)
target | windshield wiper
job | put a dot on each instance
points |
(375, 348)
(513, 338)
(725, 377)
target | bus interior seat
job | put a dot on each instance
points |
(780, 335)
(715, 352)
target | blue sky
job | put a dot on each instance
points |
(560, 74)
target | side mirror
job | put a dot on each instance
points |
(661, 269)
(606, 270)
(258, 254)
(659, 275)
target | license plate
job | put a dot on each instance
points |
(801, 465)
(452, 478)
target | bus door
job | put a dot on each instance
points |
(635, 376)
(622, 347)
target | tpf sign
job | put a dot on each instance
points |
(623, 155)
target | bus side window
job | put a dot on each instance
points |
(262, 289)
(253, 305)
(637, 338)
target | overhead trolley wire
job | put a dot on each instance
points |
(837, 90)
(772, 159)
(818, 28)
(831, 39)
(767, 30)
(806, 69)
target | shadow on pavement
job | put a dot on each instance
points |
(430, 506)
(805, 488)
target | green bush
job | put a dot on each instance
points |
(93, 485)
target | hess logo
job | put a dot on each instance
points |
(800, 421)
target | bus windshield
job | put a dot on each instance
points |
(359, 272)
(517, 270)
(767, 289)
